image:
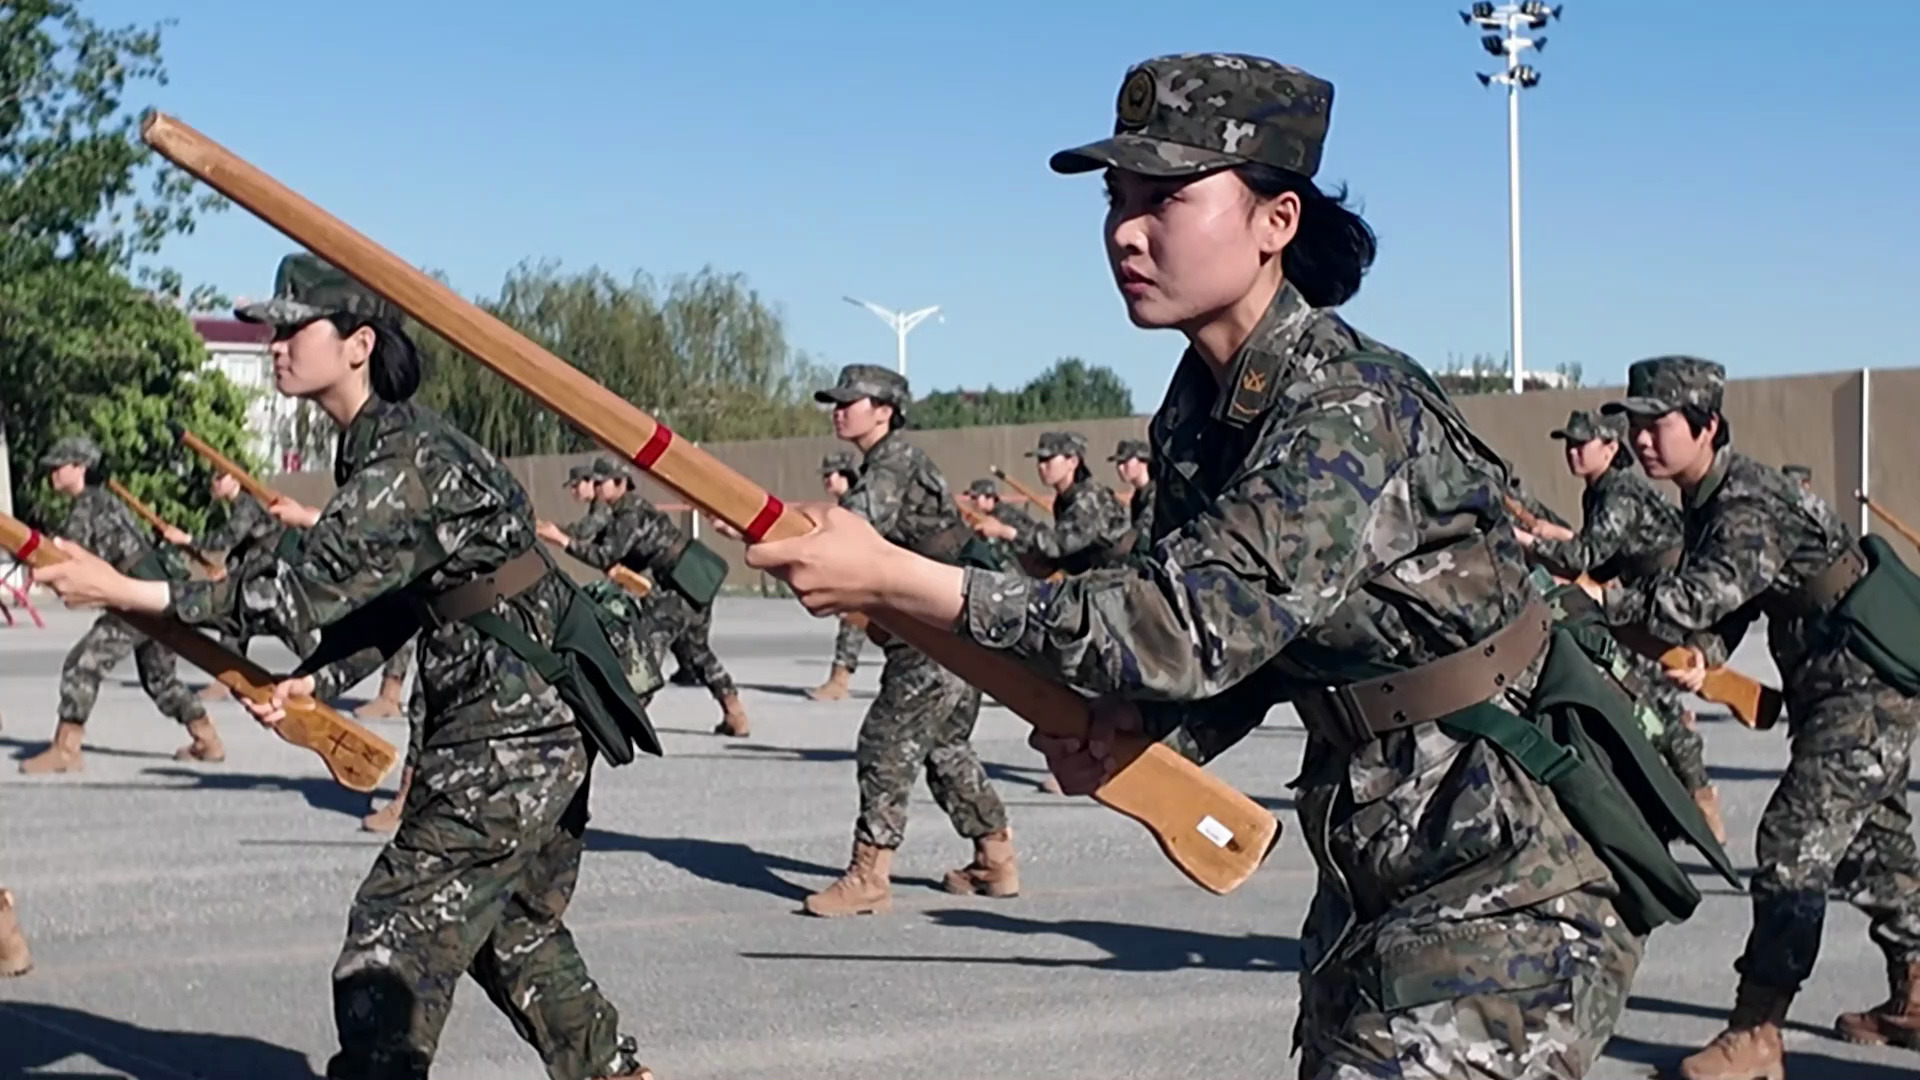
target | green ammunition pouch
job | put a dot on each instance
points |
(593, 661)
(1877, 613)
(693, 570)
(959, 545)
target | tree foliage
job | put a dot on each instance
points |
(83, 348)
(1484, 373)
(1071, 389)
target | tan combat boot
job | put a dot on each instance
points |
(835, 688)
(386, 703)
(205, 745)
(733, 720)
(15, 959)
(1708, 800)
(993, 871)
(387, 818)
(865, 889)
(63, 756)
(1897, 1021)
(1751, 1047)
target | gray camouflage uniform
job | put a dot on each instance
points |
(1140, 507)
(924, 714)
(1089, 524)
(101, 523)
(1320, 521)
(478, 876)
(1754, 540)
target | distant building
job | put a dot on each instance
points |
(239, 351)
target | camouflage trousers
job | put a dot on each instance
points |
(683, 631)
(923, 716)
(1838, 823)
(1679, 744)
(397, 664)
(847, 644)
(105, 644)
(475, 882)
(1524, 995)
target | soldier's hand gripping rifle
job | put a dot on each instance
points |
(356, 757)
(1213, 833)
(1026, 492)
(160, 525)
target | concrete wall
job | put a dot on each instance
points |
(1811, 419)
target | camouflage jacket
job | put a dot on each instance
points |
(1088, 521)
(246, 521)
(101, 523)
(1625, 526)
(636, 532)
(1344, 532)
(419, 509)
(589, 524)
(1140, 512)
(1753, 540)
(1520, 493)
(904, 495)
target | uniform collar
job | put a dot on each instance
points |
(1710, 483)
(1262, 366)
(361, 435)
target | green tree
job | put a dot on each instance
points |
(84, 205)
(1071, 389)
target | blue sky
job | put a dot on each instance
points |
(1733, 179)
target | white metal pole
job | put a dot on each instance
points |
(1513, 212)
(1866, 447)
(900, 336)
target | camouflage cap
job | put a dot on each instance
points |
(306, 288)
(578, 473)
(1798, 472)
(838, 461)
(605, 468)
(1583, 426)
(1664, 383)
(1190, 113)
(1130, 449)
(984, 486)
(71, 450)
(867, 381)
(1053, 443)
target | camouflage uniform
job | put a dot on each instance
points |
(1754, 541)
(1322, 520)
(924, 714)
(478, 876)
(849, 639)
(1140, 507)
(101, 523)
(1006, 512)
(1089, 524)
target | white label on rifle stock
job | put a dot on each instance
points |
(1214, 831)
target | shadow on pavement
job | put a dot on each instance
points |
(1669, 1007)
(27, 747)
(1665, 1059)
(39, 1036)
(320, 792)
(1129, 947)
(717, 861)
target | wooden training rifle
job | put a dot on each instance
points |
(1025, 492)
(356, 757)
(147, 514)
(1214, 834)
(1893, 523)
(1752, 702)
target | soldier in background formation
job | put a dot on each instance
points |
(838, 471)
(984, 495)
(1800, 474)
(1089, 525)
(99, 522)
(247, 521)
(1133, 461)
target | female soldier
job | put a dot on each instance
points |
(425, 526)
(1322, 518)
(838, 471)
(1089, 524)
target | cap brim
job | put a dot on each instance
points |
(280, 312)
(1638, 406)
(1144, 155)
(838, 395)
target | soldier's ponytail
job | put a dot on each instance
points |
(1333, 247)
(393, 368)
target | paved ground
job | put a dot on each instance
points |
(185, 918)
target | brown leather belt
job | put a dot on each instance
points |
(513, 577)
(1360, 712)
(1826, 588)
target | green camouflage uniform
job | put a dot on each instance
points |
(1754, 539)
(924, 714)
(1140, 507)
(849, 639)
(478, 876)
(101, 523)
(1005, 512)
(1088, 525)
(1324, 520)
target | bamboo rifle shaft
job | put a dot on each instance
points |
(1213, 833)
(223, 464)
(1892, 522)
(1026, 492)
(147, 514)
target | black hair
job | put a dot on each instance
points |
(393, 368)
(1698, 418)
(1081, 473)
(1333, 248)
(1622, 456)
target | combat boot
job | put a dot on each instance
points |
(1708, 800)
(1897, 1021)
(387, 818)
(993, 871)
(15, 959)
(626, 1062)
(205, 745)
(386, 703)
(835, 688)
(733, 720)
(63, 756)
(865, 889)
(1751, 1047)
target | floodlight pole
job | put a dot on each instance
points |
(902, 323)
(1513, 212)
